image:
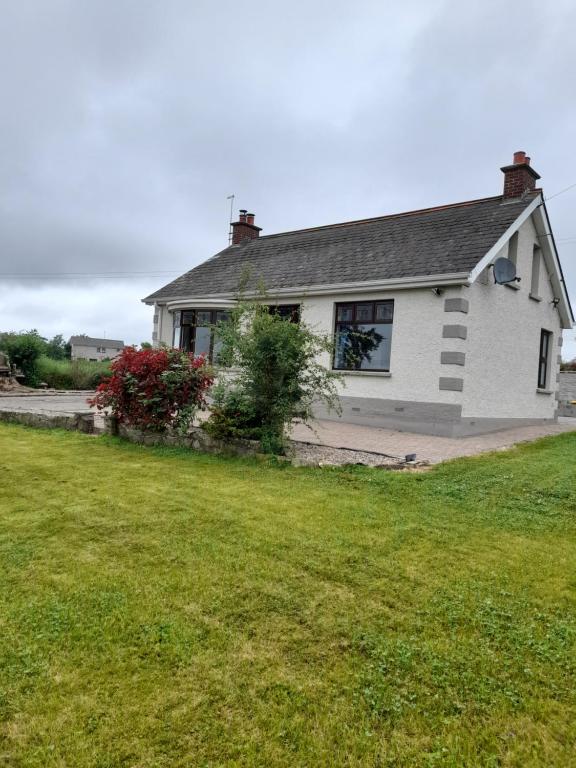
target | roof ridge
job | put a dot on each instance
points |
(446, 206)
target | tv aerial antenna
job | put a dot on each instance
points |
(231, 198)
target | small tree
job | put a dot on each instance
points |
(155, 389)
(57, 348)
(279, 376)
(23, 350)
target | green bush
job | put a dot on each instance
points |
(24, 350)
(232, 415)
(279, 376)
(72, 374)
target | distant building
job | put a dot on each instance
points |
(87, 348)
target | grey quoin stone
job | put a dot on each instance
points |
(454, 331)
(456, 305)
(453, 358)
(455, 384)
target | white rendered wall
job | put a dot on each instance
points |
(164, 327)
(501, 371)
(416, 345)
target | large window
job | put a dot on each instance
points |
(544, 358)
(193, 331)
(363, 336)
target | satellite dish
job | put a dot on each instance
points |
(504, 271)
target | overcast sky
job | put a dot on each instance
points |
(125, 124)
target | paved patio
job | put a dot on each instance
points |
(334, 433)
(426, 447)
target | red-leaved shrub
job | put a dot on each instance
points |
(155, 389)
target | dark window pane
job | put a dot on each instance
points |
(363, 347)
(343, 357)
(384, 311)
(345, 314)
(221, 317)
(188, 317)
(545, 337)
(203, 317)
(364, 313)
(202, 341)
(186, 338)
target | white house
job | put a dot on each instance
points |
(425, 338)
(86, 348)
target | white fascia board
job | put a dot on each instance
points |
(205, 302)
(404, 283)
(551, 258)
(488, 259)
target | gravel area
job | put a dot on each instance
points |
(312, 454)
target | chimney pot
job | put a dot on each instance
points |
(519, 158)
(250, 218)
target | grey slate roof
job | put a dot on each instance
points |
(434, 241)
(88, 341)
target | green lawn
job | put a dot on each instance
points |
(160, 608)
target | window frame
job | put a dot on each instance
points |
(544, 358)
(178, 323)
(356, 321)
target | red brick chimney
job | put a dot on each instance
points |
(519, 177)
(244, 228)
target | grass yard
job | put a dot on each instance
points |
(159, 608)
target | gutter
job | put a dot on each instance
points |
(425, 281)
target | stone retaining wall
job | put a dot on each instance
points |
(81, 422)
(196, 439)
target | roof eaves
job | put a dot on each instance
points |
(403, 283)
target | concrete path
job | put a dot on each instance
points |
(335, 434)
(67, 403)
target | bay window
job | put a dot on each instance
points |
(363, 335)
(194, 331)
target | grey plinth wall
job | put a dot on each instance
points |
(443, 419)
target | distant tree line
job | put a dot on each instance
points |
(55, 348)
(24, 348)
